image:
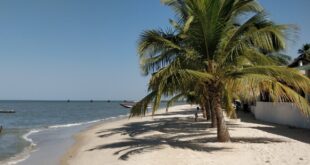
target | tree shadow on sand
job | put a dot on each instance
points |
(175, 132)
(137, 145)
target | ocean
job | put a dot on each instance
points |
(40, 127)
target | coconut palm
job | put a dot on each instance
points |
(305, 52)
(210, 46)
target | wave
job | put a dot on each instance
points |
(87, 122)
(26, 136)
(72, 124)
(18, 160)
(25, 154)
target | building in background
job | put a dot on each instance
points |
(285, 113)
(302, 63)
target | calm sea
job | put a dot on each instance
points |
(36, 121)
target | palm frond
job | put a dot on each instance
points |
(290, 77)
(234, 8)
(280, 59)
(175, 98)
(178, 6)
(227, 99)
(153, 41)
(140, 108)
(283, 84)
(279, 92)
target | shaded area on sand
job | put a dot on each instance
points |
(174, 131)
(299, 134)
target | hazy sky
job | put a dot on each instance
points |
(86, 49)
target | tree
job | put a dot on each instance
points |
(210, 47)
(305, 52)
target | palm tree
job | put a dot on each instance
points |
(305, 52)
(211, 47)
(304, 56)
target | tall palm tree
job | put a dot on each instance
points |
(211, 47)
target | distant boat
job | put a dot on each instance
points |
(7, 111)
(127, 104)
(130, 104)
(68, 101)
(91, 101)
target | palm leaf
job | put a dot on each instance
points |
(140, 108)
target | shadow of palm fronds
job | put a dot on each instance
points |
(181, 133)
(134, 146)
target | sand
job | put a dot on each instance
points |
(175, 139)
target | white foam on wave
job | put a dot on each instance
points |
(73, 124)
(26, 136)
(26, 152)
(18, 160)
(83, 123)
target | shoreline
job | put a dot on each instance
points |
(79, 138)
(29, 151)
(47, 123)
(174, 138)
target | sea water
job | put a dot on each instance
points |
(40, 127)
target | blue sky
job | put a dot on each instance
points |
(78, 49)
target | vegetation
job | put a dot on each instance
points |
(213, 55)
(305, 52)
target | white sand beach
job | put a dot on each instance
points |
(174, 138)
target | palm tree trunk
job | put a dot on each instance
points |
(213, 115)
(203, 110)
(222, 130)
(208, 110)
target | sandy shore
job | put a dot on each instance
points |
(174, 138)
